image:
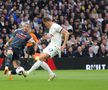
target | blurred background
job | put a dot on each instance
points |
(86, 21)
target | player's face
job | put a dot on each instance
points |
(26, 27)
(46, 24)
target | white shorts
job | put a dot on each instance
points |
(52, 51)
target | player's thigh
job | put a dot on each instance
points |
(43, 56)
(51, 51)
(9, 51)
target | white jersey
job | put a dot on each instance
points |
(56, 38)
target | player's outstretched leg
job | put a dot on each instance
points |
(40, 62)
(7, 63)
(52, 76)
(35, 66)
(44, 66)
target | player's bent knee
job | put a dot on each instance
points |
(36, 58)
(10, 52)
(42, 57)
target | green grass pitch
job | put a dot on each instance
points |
(65, 80)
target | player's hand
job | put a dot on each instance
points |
(39, 42)
(62, 47)
(48, 36)
(5, 52)
(5, 46)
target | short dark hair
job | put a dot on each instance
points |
(45, 19)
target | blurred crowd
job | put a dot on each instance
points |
(86, 21)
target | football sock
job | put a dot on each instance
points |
(13, 72)
(35, 66)
(8, 59)
(45, 66)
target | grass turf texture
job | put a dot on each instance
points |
(65, 80)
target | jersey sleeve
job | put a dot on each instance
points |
(15, 32)
(55, 28)
(58, 28)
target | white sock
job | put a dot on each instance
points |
(6, 67)
(45, 66)
(35, 66)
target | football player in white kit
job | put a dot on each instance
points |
(56, 32)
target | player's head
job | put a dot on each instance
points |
(26, 27)
(47, 21)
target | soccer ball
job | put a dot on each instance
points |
(19, 70)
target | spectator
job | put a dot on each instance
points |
(86, 21)
(4, 35)
(79, 52)
(95, 48)
(2, 20)
(1, 48)
(70, 52)
(90, 52)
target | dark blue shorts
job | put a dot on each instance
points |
(17, 52)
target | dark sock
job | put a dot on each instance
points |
(13, 72)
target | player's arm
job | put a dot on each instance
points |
(31, 40)
(65, 33)
(9, 41)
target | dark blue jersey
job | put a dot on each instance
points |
(20, 39)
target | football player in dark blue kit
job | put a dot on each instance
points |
(15, 46)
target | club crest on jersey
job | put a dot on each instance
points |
(21, 35)
(50, 49)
